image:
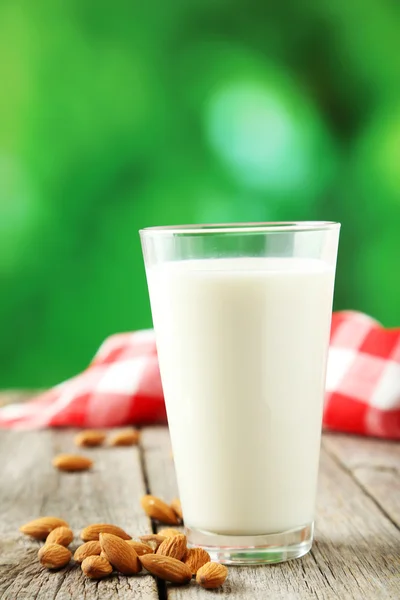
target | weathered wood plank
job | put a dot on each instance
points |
(375, 464)
(355, 556)
(360, 451)
(11, 396)
(384, 486)
(159, 462)
(31, 487)
(159, 465)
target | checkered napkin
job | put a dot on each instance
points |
(122, 384)
(363, 377)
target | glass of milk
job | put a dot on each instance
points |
(242, 315)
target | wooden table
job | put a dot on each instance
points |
(356, 554)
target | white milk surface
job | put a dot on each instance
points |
(242, 345)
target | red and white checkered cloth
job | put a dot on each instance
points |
(122, 385)
(363, 377)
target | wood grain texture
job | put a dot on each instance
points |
(31, 487)
(356, 554)
(374, 464)
(357, 451)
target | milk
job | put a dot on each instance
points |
(242, 345)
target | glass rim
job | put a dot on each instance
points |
(250, 227)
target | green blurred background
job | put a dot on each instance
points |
(115, 116)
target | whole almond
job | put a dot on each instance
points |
(89, 549)
(40, 528)
(120, 554)
(96, 567)
(211, 575)
(196, 558)
(91, 532)
(174, 546)
(72, 462)
(60, 535)
(140, 548)
(159, 510)
(169, 532)
(153, 540)
(166, 568)
(177, 508)
(128, 437)
(54, 556)
(89, 438)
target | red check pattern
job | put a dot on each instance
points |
(122, 384)
(363, 378)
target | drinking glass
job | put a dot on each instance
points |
(242, 317)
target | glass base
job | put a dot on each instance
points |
(253, 549)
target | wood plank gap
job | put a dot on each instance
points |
(162, 589)
(161, 585)
(144, 472)
(31, 487)
(354, 542)
(365, 490)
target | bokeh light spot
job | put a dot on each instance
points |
(254, 133)
(17, 214)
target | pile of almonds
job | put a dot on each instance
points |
(92, 438)
(109, 548)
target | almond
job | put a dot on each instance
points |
(166, 568)
(54, 556)
(89, 438)
(211, 575)
(174, 546)
(72, 462)
(196, 558)
(177, 508)
(96, 567)
(60, 535)
(159, 510)
(89, 549)
(120, 554)
(169, 532)
(128, 437)
(91, 532)
(40, 528)
(140, 548)
(153, 540)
